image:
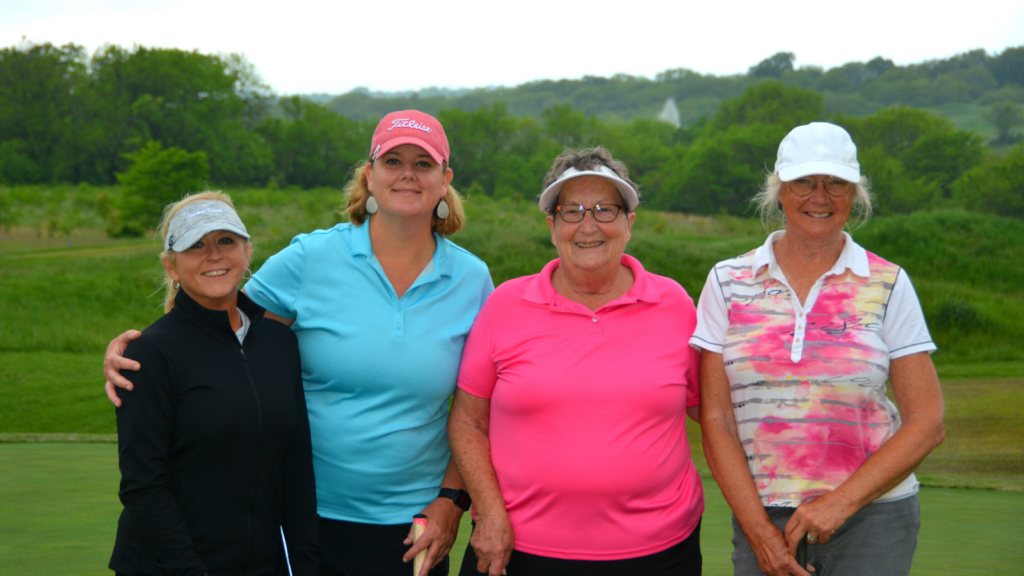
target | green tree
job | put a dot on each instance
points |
(1006, 116)
(183, 99)
(773, 67)
(942, 157)
(895, 190)
(313, 146)
(1008, 67)
(912, 157)
(895, 130)
(156, 178)
(16, 166)
(480, 142)
(996, 186)
(770, 103)
(41, 119)
(570, 128)
(721, 171)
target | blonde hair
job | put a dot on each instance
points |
(770, 210)
(357, 192)
(169, 256)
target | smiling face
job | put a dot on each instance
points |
(817, 217)
(589, 245)
(210, 270)
(407, 182)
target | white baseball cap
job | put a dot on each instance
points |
(550, 194)
(817, 148)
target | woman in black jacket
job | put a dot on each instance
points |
(214, 445)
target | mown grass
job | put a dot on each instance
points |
(59, 509)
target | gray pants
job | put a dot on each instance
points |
(879, 539)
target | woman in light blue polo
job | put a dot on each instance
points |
(381, 307)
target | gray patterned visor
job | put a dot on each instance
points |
(195, 221)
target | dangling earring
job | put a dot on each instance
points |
(442, 209)
(247, 274)
(371, 205)
(175, 285)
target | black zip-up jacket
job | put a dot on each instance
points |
(214, 449)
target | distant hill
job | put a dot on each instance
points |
(960, 88)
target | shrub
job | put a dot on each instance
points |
(157, 177)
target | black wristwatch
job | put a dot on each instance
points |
(460, 497)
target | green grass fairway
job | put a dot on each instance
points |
(54, 392)
(984, 447)
(59, 509)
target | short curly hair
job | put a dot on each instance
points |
(587, 159)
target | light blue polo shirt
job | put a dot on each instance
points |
(377, 370)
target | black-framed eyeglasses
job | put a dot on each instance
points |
(834, 186)
(601, 212)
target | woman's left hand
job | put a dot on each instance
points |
(817, 520)
(443, 518)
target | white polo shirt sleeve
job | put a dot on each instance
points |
(712, 317)
(904, 329)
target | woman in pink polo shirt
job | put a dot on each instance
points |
(568, 424)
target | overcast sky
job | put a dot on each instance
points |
(303, 46)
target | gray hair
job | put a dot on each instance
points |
(770, 209)
(584, 159)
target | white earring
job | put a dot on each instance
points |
(442, 209)
(371, 205)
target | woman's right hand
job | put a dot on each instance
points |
(114, 361)
(492, 541)
(772, 553)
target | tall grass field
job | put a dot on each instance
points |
(66, 290)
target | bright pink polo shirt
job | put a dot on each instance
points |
(587, 421)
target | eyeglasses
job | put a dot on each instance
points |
(834, 186)
(601, 212)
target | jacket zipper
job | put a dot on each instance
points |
(255, 465)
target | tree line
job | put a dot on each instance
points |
(66, 116)
(855, 88)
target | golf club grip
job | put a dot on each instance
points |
(801, 553)
(419, 525)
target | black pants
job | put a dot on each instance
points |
(354, 549)
(683, 559)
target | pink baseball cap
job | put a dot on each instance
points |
(410, 127)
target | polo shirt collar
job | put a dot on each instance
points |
(853, 257)
(541, 291)
(360, 246)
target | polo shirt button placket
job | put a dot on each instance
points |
(799, 330)
(399, 322)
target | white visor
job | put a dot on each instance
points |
(196, 220)
(550, 194)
